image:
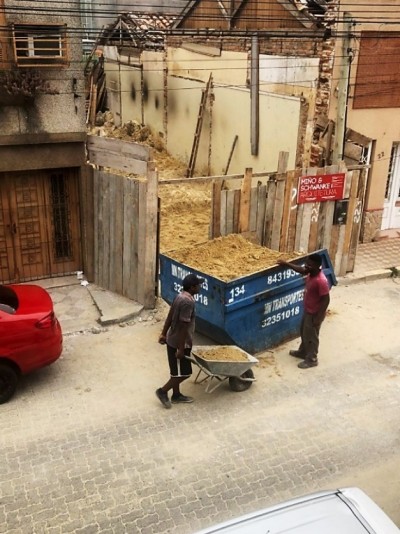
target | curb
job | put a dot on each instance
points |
(369, 276)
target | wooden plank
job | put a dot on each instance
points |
(334, 243)
(118, 162)
(119, 233)
(223, 219)
(104, 251)
(356, 137)
(216, 210)
(244, 208)
(304, 236)
(134, 249)
(261, 207)
(117, 154)
(336, 256)
(129, 270)
(350, 215)
(357, 219)
(309, 216)
(293, 213)
(253, 210)
(278, 211)
(338, 231)
(130, 149)
(222, 177)
(329, 209)
(230, 208)
(112, 240)
(236, 207)
(286, 210)
(97, 224)
(141, 248)
(299, 224)
(88, 218)
(312, 240)
(151, 237)
(282, 162)
(352, 151)
(269, 212)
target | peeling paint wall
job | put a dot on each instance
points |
(64, 110)
(226, 117)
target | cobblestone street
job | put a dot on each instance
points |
(87, 447)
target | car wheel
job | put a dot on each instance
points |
(8, 382)
(236, 384)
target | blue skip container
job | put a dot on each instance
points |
(255, 312)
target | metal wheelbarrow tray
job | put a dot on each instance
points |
(239, 373)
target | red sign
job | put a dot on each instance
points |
(320, 187)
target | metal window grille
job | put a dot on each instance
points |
(40, 45)
(61, 217)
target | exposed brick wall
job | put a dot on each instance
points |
(322, 100)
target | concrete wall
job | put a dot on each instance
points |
(228, 116)
(279, 123)
(230, 111)
(64, 109)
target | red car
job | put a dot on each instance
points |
(30, 334)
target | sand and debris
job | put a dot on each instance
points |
(185, 209)
(224, 353)
(229, 257)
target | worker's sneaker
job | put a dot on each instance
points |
(163, 398)
(296, 354)
(175, 399)
(308, 363)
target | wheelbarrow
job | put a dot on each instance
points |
(238, 373)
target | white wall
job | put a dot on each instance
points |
(279, 114)
(279, 124)
(296, 71)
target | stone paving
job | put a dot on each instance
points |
(87, 448)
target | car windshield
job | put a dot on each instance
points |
(8, 300)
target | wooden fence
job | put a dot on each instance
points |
(120, 219)
(268, 211)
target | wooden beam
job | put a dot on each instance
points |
(199, 179)
(254, 96)
(116, 154)
(244, 210)
(216, 210)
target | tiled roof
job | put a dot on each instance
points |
(143, 30)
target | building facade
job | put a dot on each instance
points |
(366, 99)
(42, 139)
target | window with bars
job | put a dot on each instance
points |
(40, 46)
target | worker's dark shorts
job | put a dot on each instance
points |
(179, 367)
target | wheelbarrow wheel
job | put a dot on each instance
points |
(237, 384)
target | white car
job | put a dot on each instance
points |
(344, 511)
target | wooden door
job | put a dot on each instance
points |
(7, 266)
(39, 225)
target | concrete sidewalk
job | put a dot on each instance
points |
(81, 306)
